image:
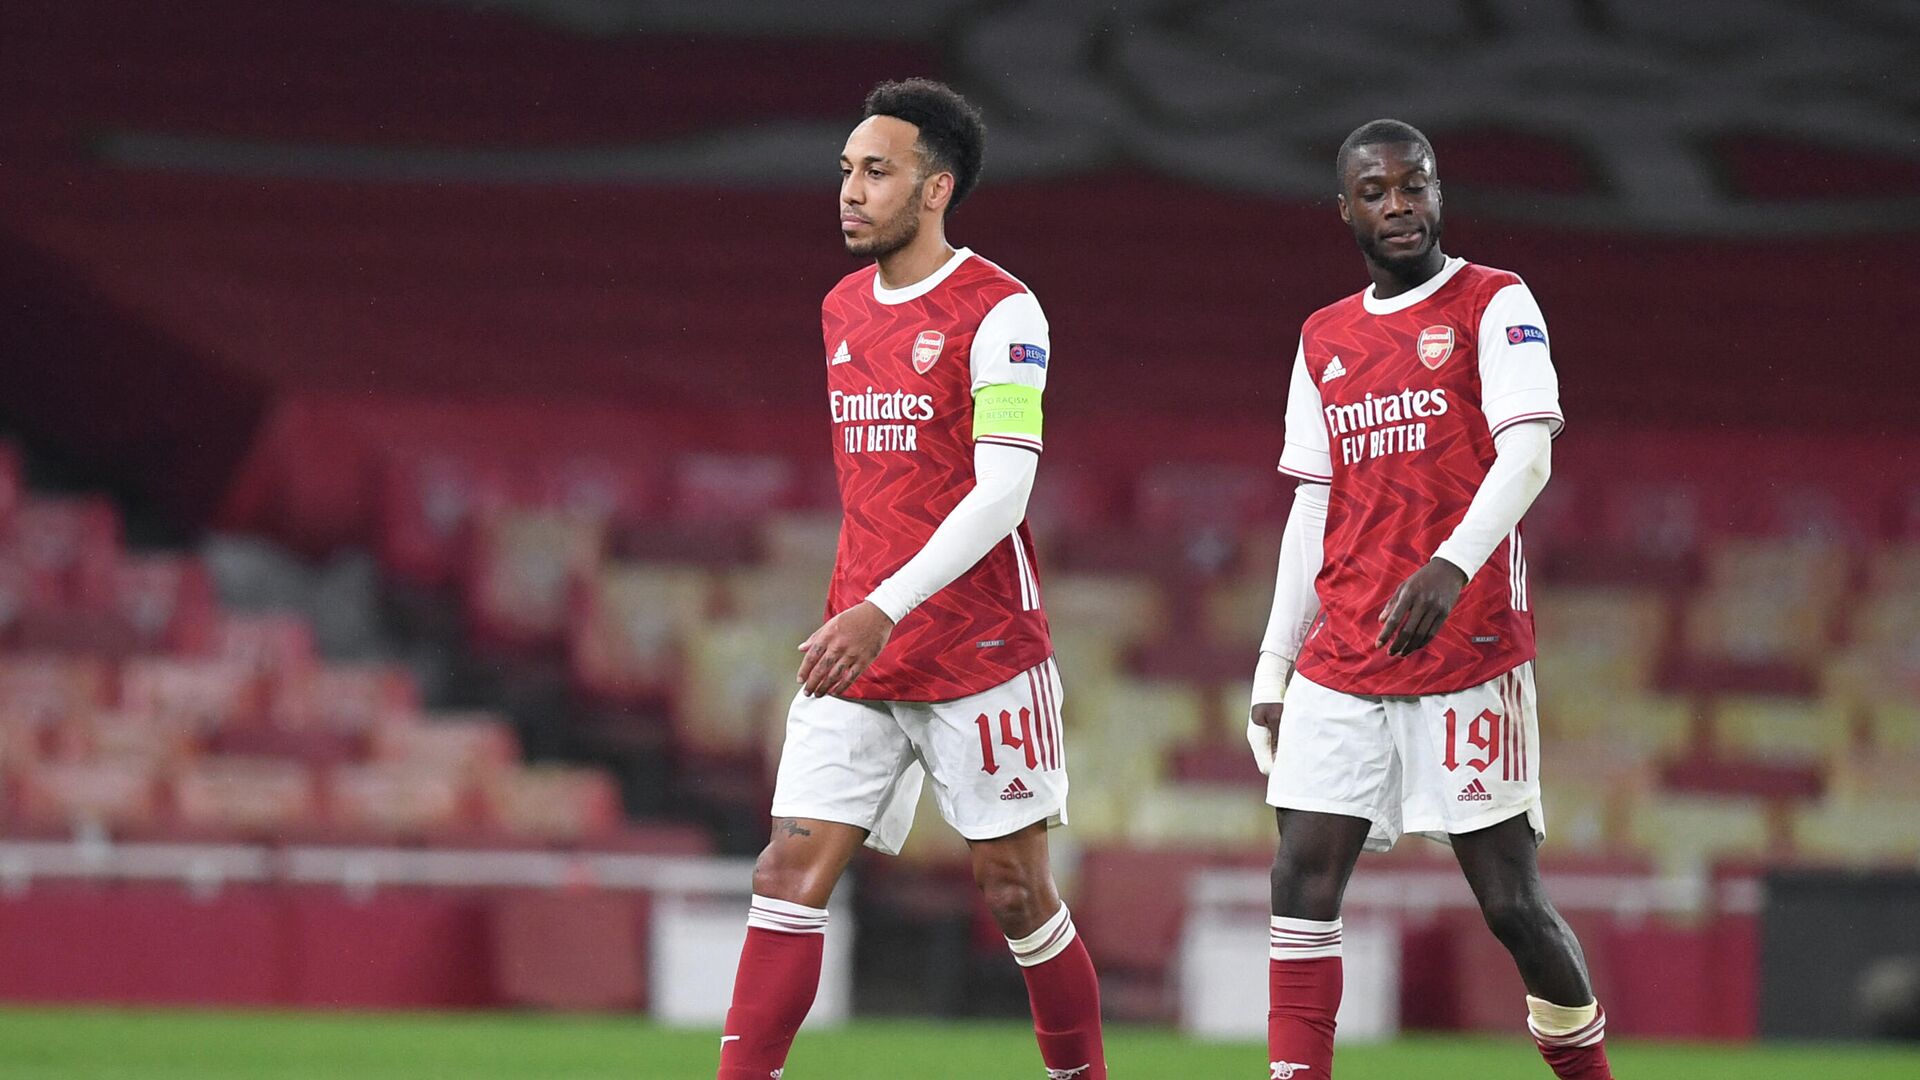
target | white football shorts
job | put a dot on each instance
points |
(997, 760)
(1433, 765)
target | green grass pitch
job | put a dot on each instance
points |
(91, 1044)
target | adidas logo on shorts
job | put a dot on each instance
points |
(1016, 790)
(1476, 792)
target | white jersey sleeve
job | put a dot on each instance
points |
(1011, 348)
(1305, 454)
(1517, 380)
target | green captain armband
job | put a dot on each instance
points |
(1007, 412)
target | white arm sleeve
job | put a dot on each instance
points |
(987, 515)
(1295, 604)
(1523, 459)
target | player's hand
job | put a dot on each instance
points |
(1420, 607)
(843, 649)
(1263, 734)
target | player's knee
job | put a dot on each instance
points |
(779, 874)
(1016, 897)
(1518, 916)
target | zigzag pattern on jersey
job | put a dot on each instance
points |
(892, 500)
(1388, 513)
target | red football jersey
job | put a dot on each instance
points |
(902, 368)
(1396, 402)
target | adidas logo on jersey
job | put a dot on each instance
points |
(840, 355)
(1335, 369)
(1476, 792)
(1016, 790)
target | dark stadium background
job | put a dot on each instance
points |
(415, 476)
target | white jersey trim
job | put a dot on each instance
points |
(925, 285)
(1415, 295)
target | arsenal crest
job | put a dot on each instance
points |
(926, 350)
(1436, 344)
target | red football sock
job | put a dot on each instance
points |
(1304, 979)
(1571, 1038)
(1065, 994)
(778, 976)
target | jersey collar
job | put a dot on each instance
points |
(925, 285)
(1414, 295)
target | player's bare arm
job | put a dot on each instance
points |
(842, 649)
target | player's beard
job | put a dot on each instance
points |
(889, 236)
(1403, 262)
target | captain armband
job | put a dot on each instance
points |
(1007, 413)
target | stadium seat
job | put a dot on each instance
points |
(525, 567)
(1684, 833)
(398, 799)
(168, 600)
(112, 794)
(1853, 830)
(732, 487)
(553, 802)
(210, 694)
(1777, 729)
(1237, 608)
(119, 735)
(470, 744)
(278, 646)
(1613, 717)
(1121, 608)
(1609, 621)
(428, 502)
(1796, 572)
(1199, 817)
(802, 544)
(1871, 772)
(350, 699)
(1117, 738)
(244, 796)
(73, 543)
(737, 684)
(627, 631)
(1757, 625)
(41, 690)
(777, 594)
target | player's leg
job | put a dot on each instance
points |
(1334, 768)
(1305, 975)
(1474, 759)
(1565, 1018)
(999, 769)
(1016, 881)
(845, 771)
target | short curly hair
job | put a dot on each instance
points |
(952, 136)
(1376, 133)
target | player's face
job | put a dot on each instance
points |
(880, 193)
(1392, 203)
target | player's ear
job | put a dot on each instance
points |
(1346, 214)
(937, 192)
